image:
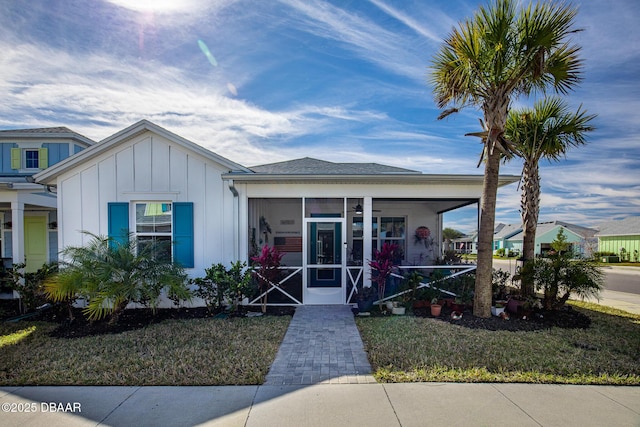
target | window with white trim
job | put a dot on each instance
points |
(31, 159)
(391, 230)
(154, 226)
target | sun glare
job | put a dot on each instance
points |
(158, 6)
(16, 336)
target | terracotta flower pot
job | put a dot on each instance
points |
(436, 309)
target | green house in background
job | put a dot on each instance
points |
(621, 237)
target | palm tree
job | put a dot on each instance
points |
(546, 131)
(111, 274)
(488, 61)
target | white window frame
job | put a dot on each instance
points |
(401, 241)
(154, 234)
(24, 158)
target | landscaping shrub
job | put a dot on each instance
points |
(558, 275)
(268, 270)
(111, 274)
(220, 285)
(30, 286)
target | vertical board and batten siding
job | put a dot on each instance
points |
(615, 243)
(151, 168)
(5, 153)
(56, 152)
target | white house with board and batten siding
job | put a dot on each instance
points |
(327, 217)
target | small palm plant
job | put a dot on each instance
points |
(111, 274)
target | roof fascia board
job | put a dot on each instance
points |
(49, 174)
(258, 178)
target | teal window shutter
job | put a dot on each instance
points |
(183, 252)
(119, 221)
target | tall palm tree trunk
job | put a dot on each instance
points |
(529, 209)
(484, 272)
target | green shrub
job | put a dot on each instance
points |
(220, 285)
(30, 286)
(598, 255)
(500, 252)
(558, 275)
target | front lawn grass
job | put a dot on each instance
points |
(174, 352)
(412, 349)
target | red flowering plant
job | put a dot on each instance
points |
(383, 263)
(268, 270)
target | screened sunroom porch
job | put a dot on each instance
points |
(327, 242)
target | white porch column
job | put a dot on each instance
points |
(17, 232)
(367, 236)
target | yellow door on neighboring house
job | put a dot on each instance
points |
(35, 242)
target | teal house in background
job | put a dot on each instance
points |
(581, 239)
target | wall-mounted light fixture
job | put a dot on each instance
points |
(53, 225)
(7, 225)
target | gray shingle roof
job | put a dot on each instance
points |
(622, 227)
(310, 166)
(60, 132)
(59, 129)
(507, 230)
(544, 227)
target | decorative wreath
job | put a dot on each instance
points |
(422, 234)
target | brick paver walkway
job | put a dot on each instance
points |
(322, 345)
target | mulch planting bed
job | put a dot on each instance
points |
(564, 318)
(130, 319)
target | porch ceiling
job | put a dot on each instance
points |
(443, 204)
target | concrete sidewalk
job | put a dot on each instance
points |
(325, 405)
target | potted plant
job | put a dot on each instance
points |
(436, 308)
(498, 308)
(398, 309)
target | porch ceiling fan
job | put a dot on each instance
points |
(358, 209)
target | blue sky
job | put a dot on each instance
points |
(265, 81)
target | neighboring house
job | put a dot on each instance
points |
(501, 235)
(28, 221)
(467, 244)
(613, 236)
(581, 239)
(327, 217)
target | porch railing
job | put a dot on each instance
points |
(290, 285)
(279, 287)
(461, 269)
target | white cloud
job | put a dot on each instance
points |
(365, 38)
